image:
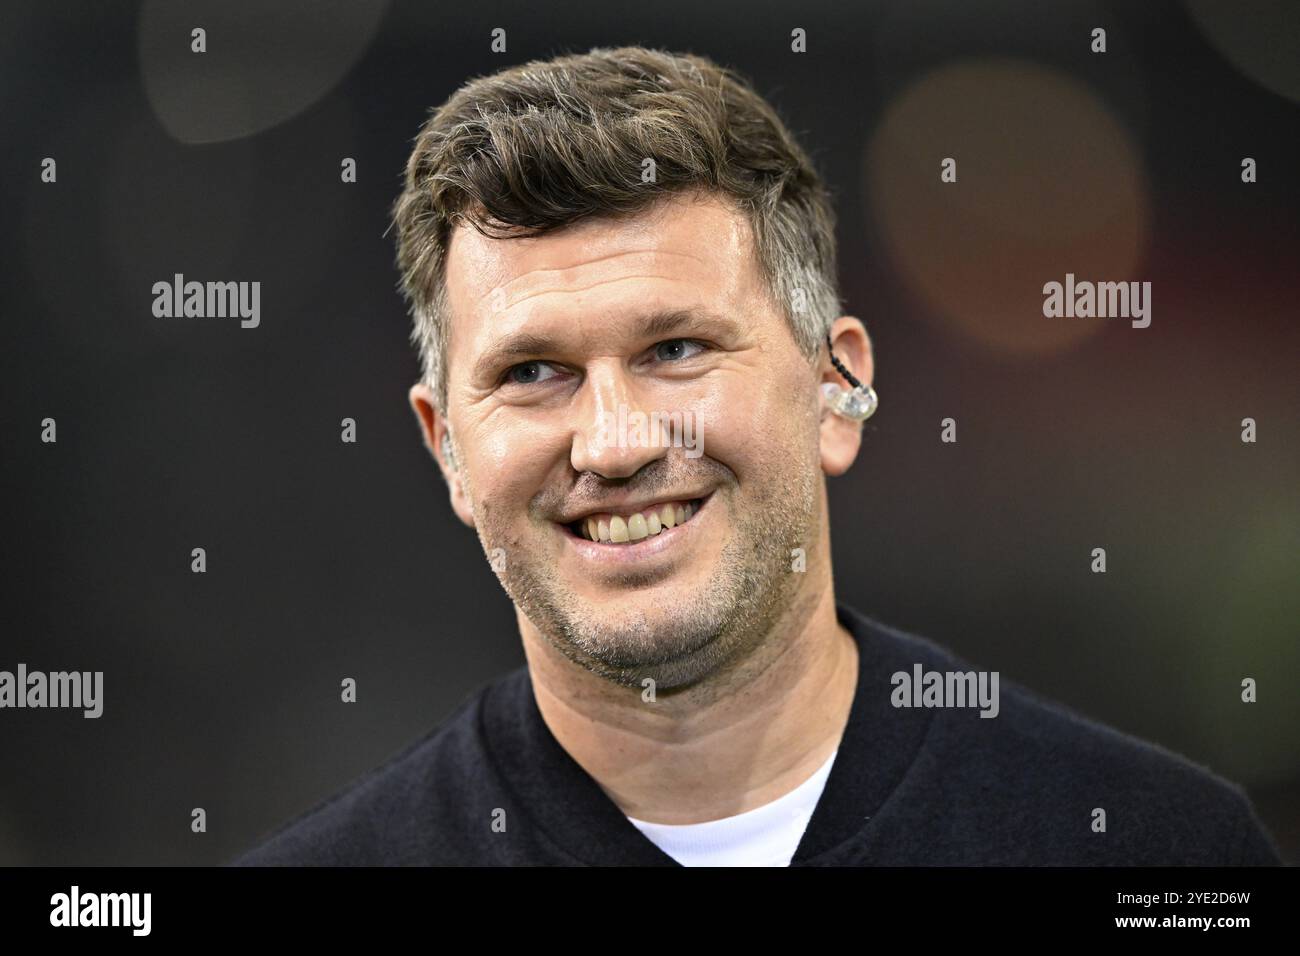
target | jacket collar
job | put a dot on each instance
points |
(879, 744)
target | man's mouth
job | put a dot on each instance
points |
(630, 527)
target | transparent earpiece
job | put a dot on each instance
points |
(857, 404)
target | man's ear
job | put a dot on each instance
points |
(840, 437)
(433, 426)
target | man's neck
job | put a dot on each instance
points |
(722, 747)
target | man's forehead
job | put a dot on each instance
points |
(702, 241)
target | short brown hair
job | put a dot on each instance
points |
(538, 146)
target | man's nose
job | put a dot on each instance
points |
(615, 434)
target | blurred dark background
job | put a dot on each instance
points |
(329, 560)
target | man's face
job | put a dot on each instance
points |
(555, 343)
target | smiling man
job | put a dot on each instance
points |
(634, 235)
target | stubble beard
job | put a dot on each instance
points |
(746, 594)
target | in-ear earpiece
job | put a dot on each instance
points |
(857, 404)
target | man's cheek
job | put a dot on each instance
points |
(504, 510)
(724, 432)
(499, 448)
(516, 462)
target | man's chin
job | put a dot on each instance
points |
(670, 644)
(641, 636)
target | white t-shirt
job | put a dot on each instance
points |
(765, 836)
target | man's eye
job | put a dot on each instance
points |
(528, 373)
(675, 349)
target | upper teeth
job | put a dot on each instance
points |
(620, 529)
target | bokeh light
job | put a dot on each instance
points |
(1048, 182)
(1261, 40)
(263, 64)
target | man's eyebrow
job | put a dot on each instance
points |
(525, 345)
(674, 320)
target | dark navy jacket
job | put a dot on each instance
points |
(910, 786)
